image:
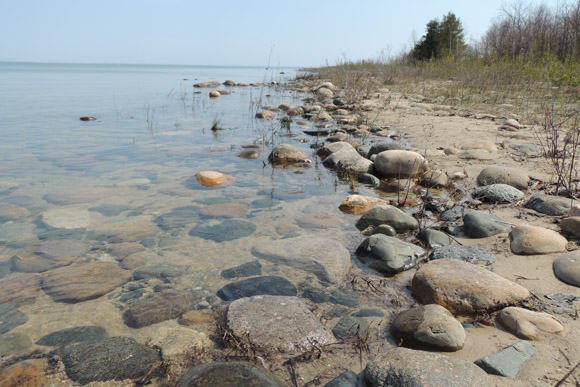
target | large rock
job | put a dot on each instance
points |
(77, 196)
(471, 254)
(384, 146)
(497, 174)
(464, 288)
(133, 229)
(434, 238)
(529, 325)
(20, 290)
(478, 224)
(567, 268)
(10, 318)
(117, 358)
(48, 255)
(26, 373)
(269, 285)
(400, 164)
(230, 374)
(162, 306)
(10, 211)
(74, 335)
(412, 368)
(508, 361)
(428, 327)
(498, 193)
(550, 205)
(84, 281)
(392, 216)
(327, 259)
(357, 204)
(276, 324)
(571, 225)
(329, 149)
(388, 255)
(228, 230)
(284, 154)
(67, 218)
(536, 240)
(347, 162)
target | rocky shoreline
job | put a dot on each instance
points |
(465, 272)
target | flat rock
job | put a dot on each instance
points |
(47, 255)
(10, 211)
(159, 271)
(529, 325)
(550, 205)
(268, 285)
(350, 328)
(412, 368)
(166, 305)
(319, 220)
(392, 216)
(229, 374)
(225, 210)
(481, 144)
(213, 179)
(110, 209)
(134, 229)
(357, 204)
(10, 318)
(117, 358)
(20, 290)
(571, 225)
(83, 281)
(14, 344)
(497, 174)
(470, 254)
(276, 323)
(400, 164)
(536, 240)
(26, 373)
(178, 217)
(498, 193)
(567, 268)
(68, 218)
(74, 335)
(228, 230)
(346, 379)
(428, 327)
(389, 255)
(478, 154)
(508, 361)
(77, 196)
(477, 224)
(249, 269)
(464, 288)
(284, 154)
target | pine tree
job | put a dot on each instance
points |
(442, 39)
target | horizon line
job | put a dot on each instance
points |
(146, 64)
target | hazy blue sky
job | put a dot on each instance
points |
(227, 32)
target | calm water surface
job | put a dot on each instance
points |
(119, 189)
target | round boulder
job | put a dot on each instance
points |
(496, 174)
(529, 240)
(567, 268)
(214, 94)
(284, 154)
(400, 164)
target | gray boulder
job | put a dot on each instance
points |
(392, 216)
(389, 255)
(471, 254)
(400, 164)
(503, 175)
(478, 224)
(498, 193)
(550, 205)
(284, 154)
(567, 268)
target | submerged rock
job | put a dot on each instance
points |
(48, 255)
(26, 373)
(74, 335)
(392, 216)
(133, 229)
(269, 285)
(284, 154)
(162, 306)
(232, 373)
(20, 290)
(213, 179)
(10, 318)
(248, 269)
(228, 230)
(389, 255)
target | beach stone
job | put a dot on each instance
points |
(229, 82)
(83, 281)
(531, 240)
(329, 149)
(478, 154)
(265, 115)
(337, 137)
(10, 211)
(369, 313)
(571, 225)
(225, 210)
(213, 179)
(166, 305)
(195, 317)
(248, 269)
(117, 358)
(232, 373)
(498, 174)
(207, 84)
(509, 360)
(477, 224)
(335, 296)
(434, 238)
(295, 112)
(384, 146)
(327, 259)
(20, 290)
(346, 379)
(428, 327)
(399, 164)
(10, 318)
(77, 196)
(454, 214)
(389, 255)
(567, 268)
(324, 93)
(529, 325)
(498, 193)
(392, 216)
(412, 368)
(464, 288)
(133, 229)
(13, 344)
(347, 162)
(318, 220)
(481, 144)
(357, 204)
(48, 255)
(68, 218)
(550, 205)
(178, 217)
(350, 328)
(346, 153)
(525, 148)
(513, 123)
(574, 211)
(276, 323)
(74, 335)
(284, 154)
(400, 185)
(367, 178)
(110, 209)
(384, 229)
(26, 373)
(285, 107)
(160, 271)
(434, 179)
(228, 230)
(268, 285)
(471, 254)
(250, 154)
(179, 342)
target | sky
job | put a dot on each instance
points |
(295, 33)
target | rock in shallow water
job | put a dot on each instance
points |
(133, 229)
(399, 164)
(48, 255)
(248, 269)
(285, 154)
(389, 255)
(74, 335)
(213, 179)
(229, 374)
(20, 290)
(228, 230)
(162, 306)
(412, 368)
(392, 216)
(270, 285)
(276, 323)
(10, 318)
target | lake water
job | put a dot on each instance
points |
(120, 189)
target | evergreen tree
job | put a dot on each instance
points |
(442, 39)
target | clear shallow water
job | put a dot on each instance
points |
(135, 164)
